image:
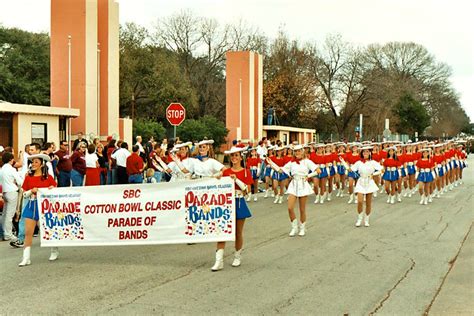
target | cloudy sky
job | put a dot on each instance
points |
(445, 28)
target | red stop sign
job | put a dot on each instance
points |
(175, 113)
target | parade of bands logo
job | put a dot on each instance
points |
(62, 220)
(208, 213)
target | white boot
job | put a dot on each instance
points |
(366, 221)
(375, 193)
(351, 198)
(255, 199)
(359, 219)
(280, 199)
(430, 198)
(272, 194)
(275, 201)
(266, 194)
(54, 254)
(316, 199)
(388, 199)
(422, 200)
(237, 258)
(342, 193)
(321, 201)
(329, 196)
(219, 265)
(338, 193)
(405, 193)
(294, 228)
(302, 229)
(381, 190)
(26, 257)
(425, 200)
(249, 196)
(438, 194)
(392, 199)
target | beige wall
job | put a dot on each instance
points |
(22, 129)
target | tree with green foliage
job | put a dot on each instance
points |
(205, 127)
(24, 67)
(146, 129)
(412, 115)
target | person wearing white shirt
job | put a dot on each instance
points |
(205, 165)
(11, 182)
(139, 144)
(262, 152)
(120, 157)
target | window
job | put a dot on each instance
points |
(62, 129)
(39, 133)
(6, 129)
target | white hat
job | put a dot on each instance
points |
(425, 149)
(297, 147)
(1, 149)
(39, 156)
(319, 145)
(278, 148)
(366, 148)
(205, 142)
(235, 150)
(178, 146)
(271, 147)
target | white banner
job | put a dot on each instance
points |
(164, 213)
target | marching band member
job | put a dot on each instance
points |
(365, 187)
(351, 159)
(243, 180)
(376, 156)
(330, 158)
(268, 174)
(341, 170)
(37, 177)
(180, 168)
(462, 162)
(425, 175)
(300, 169)
(319, 180)
(401, 170)
(279, 179)
(253, 165)
(410, 158)
(204, 164)
(438, 159)
(390, 175)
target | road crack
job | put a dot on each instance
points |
(363, 255)
(451, 265)
(442, 231)
(389, 293)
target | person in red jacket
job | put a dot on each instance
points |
(243, 180)
(341, 169)
(279, 179)
(439, 161)
(135, 166)
(377, 156)
(351, 159)
(402, 180)
(319, 181)
(330, 158)
(425, 168)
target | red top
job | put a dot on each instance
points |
(280, 162)
(37, 182)
(423, 164)
(243, 175)
(64, 163)
(253, 162)
(78, 160)
(417, 156)
(134, 164)
(438, 159)
(402, 159)
(352, 159)
(383, 154)
(287, 159)
(409, 157)
(376, 156)
(330, 158)
(390, 162)
(317, 159)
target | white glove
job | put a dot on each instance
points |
(433, 174)
(241, 185)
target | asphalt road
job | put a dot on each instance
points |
(411, 261)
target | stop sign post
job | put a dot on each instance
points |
(175, 114)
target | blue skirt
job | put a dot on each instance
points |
(353, 174)
(268, 171)
(332, 171)
(390, 175)
(31, 210)
(440, 171)
(411, 170)
(425, 177)
(462, 165)
(404, 174)
(254, 172)
(455, 164)
(241, 209)
(323, 174)
(341, 170)
(279, 176)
